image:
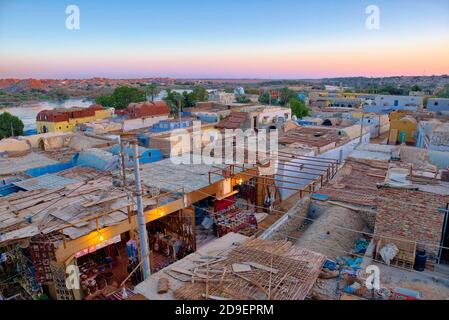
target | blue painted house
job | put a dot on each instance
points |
(147, 155)
(437, 104)
(171, 124)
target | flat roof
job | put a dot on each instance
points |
(175, 173)
(11, 165)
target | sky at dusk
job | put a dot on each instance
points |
(223, 39)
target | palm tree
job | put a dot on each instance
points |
(152, 90)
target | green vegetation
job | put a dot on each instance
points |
(152, 90)
(384, 89)
(10, 125)
(264, 98)
(187, 100)
(121, 98)
(173, 98)
(299, 108)
(242, 99)
(444, 93)
(200, 93)
(415, 88)
(285, 95)
(9, 98)
(250, 90)
(282, 82)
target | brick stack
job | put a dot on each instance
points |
(411, 215)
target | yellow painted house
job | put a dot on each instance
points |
(66, 120)
(403, 128)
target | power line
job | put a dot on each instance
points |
(339, 190)
(311, 219)
(341, 251)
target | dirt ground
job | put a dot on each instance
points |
(431, 286)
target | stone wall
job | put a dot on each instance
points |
(411, 215)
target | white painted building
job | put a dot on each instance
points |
(398, 101)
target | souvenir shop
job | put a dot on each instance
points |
(109, 263)
(101, 268)
(235, 212)
(171, 238)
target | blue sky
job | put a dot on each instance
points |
(192, 38)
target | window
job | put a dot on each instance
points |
(396, 103)
(436, 103)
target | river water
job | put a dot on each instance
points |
(27, 112)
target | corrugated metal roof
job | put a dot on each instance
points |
(47, 181)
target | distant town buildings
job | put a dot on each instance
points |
(221, 97)
(66, 120)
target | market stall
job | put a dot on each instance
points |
(107, 264)
(171, 238)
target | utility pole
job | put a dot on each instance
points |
(361, 128)
(143, 235)
(122, 144)
(12, 130)
(179, 110)
(128, 208)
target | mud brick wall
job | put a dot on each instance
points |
(411, 215)
(296, 216)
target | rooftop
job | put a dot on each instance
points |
(233, 121)
(169, 175)
(311, 136)
(12, 165)
(52, 209)
(266, 264)
(371, 167)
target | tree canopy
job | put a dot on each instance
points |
(264, 98)
(285, 95)
(444, 93)
(152, 90)
(242, 99)
(299, 108)
(188, 100)
(415, 88)
(121, 97)
(10, 125)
